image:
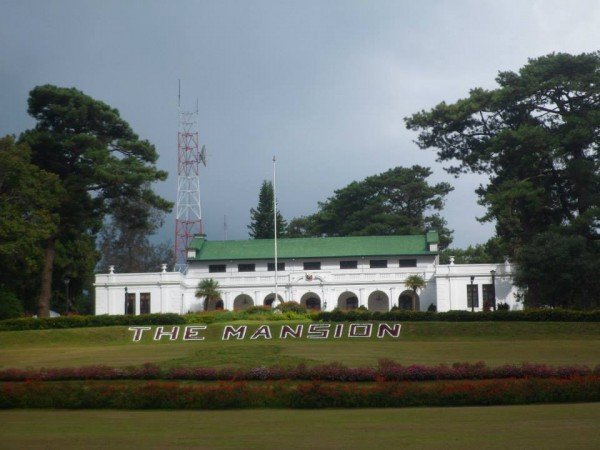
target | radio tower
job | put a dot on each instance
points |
(189, 215)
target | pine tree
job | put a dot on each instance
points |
(261, 226)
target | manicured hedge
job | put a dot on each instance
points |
(282, 394)
(386, 370)
(528, 315)
(33, 323)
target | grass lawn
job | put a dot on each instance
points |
(573, 426)
(428, 343)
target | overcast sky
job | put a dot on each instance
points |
(324, 85)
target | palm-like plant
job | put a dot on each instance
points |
(209, 289)
(415, 283)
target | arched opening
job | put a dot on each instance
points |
(409, 300)
(242, 302)
(379, 301)
(310, 300)
(268, 301)
(347, 300)
(214, 304)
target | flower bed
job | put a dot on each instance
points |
(282, 394)
(386, 370)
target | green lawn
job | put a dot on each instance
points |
(428, 343)
(572, 426)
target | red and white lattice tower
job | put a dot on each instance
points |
(188, 220)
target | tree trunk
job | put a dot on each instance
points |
(46, 290)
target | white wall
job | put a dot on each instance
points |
(174, 292)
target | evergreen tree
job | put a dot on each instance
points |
(98, 160)
(124, 240)
(537, 137)
(398, 201)
(261, 225)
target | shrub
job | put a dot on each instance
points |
(44, 323)
(503, 306)
(431, 308)
(259, 310)
(10, 306)
(309, 394)
(291, 307)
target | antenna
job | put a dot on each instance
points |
(188, 221)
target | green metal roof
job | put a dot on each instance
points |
(326, 247)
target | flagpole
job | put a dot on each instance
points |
(275, 229)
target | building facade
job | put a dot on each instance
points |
(320, 273)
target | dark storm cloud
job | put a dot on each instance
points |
(322, 84)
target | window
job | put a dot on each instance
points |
(216, 268)
(312, 265)
(472, 296)
(246, 267)
(145, 303)
(378, 263)
(280, 267)
(408, 263)
(488, 295)
(348, 264)
(130, 304)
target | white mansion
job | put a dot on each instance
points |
(320, 273)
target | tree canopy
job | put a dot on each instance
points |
(124, 239)
(99, 161)
(398, 201)
(261, 219)
(28, 198)
(537, 137)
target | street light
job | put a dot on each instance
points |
(67, 280)
(472, 296)
(126, 312)
(493, 272)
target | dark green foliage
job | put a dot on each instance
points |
(99, 162)
(399, 315)
(28, 197)
(560, 270)
(396, 202)
(10, 305)
(291, 307)
(261, 219)
(432, 308)
(537, 137)
(490, 252)
(124, 239)
(46, 323)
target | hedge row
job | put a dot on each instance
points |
(34, 323)
(529, 315)
(229, 395)
(386, 370)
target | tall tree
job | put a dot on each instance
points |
(28, 198)
(261, 225)
(398, 201)
(124, 240)
(537, 136)
(98, 159)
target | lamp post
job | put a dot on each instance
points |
(67, 280)
(493, 272)
(126, 300)
(275, 231)
(472, 296)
